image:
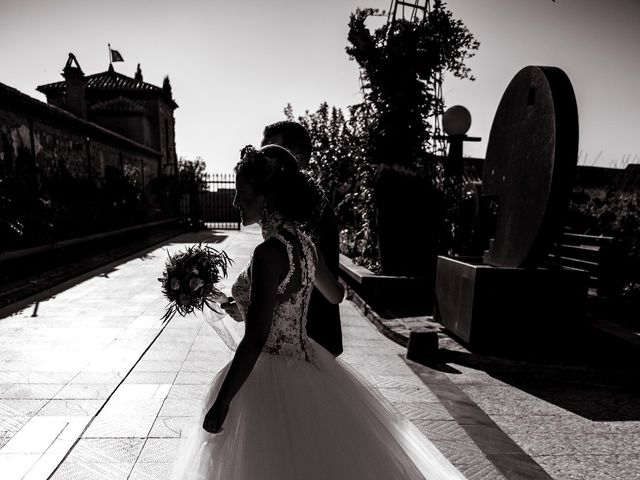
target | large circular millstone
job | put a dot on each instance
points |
(530, 165)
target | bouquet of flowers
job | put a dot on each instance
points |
(190, 277)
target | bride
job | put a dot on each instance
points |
(285, 408)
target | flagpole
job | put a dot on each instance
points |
(109, 45)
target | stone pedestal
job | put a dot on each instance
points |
(412, 296)
(496, 308)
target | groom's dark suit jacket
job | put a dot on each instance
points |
(323, 318)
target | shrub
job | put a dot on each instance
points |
(38, 209)
(613, 212)
(401, 65)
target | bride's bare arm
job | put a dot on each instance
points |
(267, 268)
(327, 283)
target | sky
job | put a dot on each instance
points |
(234, 66)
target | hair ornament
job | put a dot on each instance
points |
(248, 151)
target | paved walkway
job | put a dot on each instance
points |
(94, 387)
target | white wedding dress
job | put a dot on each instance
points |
(302, 414)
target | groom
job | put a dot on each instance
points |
(323, 318)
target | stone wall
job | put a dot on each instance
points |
(56, 138)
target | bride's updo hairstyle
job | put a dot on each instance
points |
(273, 171)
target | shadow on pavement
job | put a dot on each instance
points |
(596, 394)
(47, 284)
(204, 236)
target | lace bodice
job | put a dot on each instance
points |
(288, 334)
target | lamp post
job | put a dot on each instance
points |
(456, 122)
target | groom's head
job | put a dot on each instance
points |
(292, 136)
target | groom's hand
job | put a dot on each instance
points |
(215, 417)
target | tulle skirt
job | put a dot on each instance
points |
(294, 420)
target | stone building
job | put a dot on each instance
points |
(90, 123)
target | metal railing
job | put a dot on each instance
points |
(212, 203)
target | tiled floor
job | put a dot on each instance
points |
(95, 388)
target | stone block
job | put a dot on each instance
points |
(423, 345)
(496, 308)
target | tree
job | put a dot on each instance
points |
(401, 63)
(192, 171)
(374, 162)
(342, 171)
(166, 86)
(401, 66)
(192, 180)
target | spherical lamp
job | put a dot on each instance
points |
(456, 121)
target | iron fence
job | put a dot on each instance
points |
(211, 203)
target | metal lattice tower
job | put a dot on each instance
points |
(410, 11)
(417, 11)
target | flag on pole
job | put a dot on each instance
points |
(115, 56)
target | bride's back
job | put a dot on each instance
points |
(288, 333)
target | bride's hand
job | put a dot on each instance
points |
(215, 417)
(219, 297)
(231, 309)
